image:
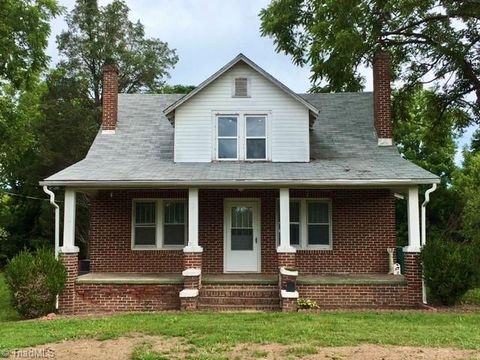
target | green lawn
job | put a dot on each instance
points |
(210, 331)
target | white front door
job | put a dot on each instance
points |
(242, 236)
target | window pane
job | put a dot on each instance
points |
(242, 239)
(144, 235)
(318, 235)
(227, 148)
(256, 126)
(242, 217)
(145, 213)
(317, 212)
(294, 234)
(294, 211)
(256, 149)
(174, 234)
(227, 126)
(174, 212)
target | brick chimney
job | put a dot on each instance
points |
(109, 98)
(382, 98)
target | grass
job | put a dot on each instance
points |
(216, 333)
(7, 312)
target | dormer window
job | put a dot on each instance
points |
(241, 87)
(241, 136)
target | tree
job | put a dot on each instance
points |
(177, 89)
(430, 143)
(24, 31)
(431, 41)
(97, 35)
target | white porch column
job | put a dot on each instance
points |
(192, 245)
(285, 246)
(69, 223)
(413, 221)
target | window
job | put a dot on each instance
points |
(145, 223)
(310, 224)
(318, 223)
(240, 87)
(241, 136)
(228, 137)
(159, 224)
(256, 139)
(174, 223)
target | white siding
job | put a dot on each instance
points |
(288, 135)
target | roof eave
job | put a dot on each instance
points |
(288, 182)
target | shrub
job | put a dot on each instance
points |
(450, 269)
(307, 304)
(34, 280)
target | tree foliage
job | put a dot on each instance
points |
(97, 35)
(24, 31)
(432, 41)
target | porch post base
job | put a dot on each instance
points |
(189, 299)
(192, 278)
(413, 276)
(289, 300)
(66, 300)
(286, 259)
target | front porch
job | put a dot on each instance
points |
(265, 249)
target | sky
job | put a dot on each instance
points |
(209, 33)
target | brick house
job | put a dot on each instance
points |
(242, 194)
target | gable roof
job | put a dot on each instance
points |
(343, 148)
(240, 58)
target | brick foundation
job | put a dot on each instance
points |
(289, 305)
(357, 296)
(91, 298)
(67, 299)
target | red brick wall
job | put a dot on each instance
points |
(126, 297)
(363, 224)
(111, 239)
(363, 227)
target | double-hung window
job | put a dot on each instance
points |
(159, 224)
(145, 223)
(241, 137)
(256, 137)
(310, 224)
(227, 137)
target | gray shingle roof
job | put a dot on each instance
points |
(344, 151)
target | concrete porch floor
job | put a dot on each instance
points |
(248, 279)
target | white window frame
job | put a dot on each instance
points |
(241, 134)
(304, 224)
(246, 137)
(159, 224)
(217, 138)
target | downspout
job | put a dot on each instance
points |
(424, 233)
(57, 226)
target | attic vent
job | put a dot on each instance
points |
(241, 87)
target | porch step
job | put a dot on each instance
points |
(238, 298)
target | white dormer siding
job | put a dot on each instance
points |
(288, 119)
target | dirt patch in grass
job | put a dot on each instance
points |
(139, 347)
(361, 352)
